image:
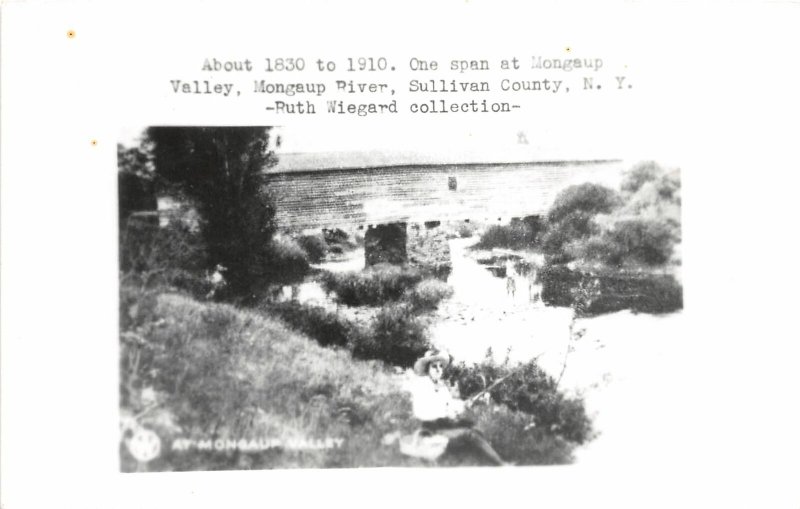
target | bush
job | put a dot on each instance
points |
(216, 371)
(571, 219)
(617, 290)
(640, 174)
(146, 247)
(529, 390)
(335, 236)
(314, 246)
(466, 230)
(339, 241)
(327, 328)
(519, 439)
(640, 292)
(517, 235)
(289, 263)
(396, 336)
(428, 294)
(560, 236)
(589, 198)
(374, 286)
(637, 241)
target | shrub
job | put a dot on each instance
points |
(654, 196)
(571, 218)
(638, 241)
(220, 372)
(519, 439)
(339, 241)
(314, 246)
(374, 286)
(498, 236)
(617, 290)
(396, 336)
(517, 235)
(335, 236)
(589, 198)
(640, 292)
(530, 390)
(641, 173)
(558, 282)
(289, 263)
(428, 294)
(146, 247)
(466, 230)
(327, 328)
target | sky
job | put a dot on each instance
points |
(355, 144)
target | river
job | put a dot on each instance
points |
(623, 366)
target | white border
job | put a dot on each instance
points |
(721, 101)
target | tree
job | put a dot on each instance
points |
(135, 179)
(571, 218)
(223, 170)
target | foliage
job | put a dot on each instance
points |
(136, 186)
(337, 236)
(616, 290)
(638, 241)
(653, 193)
(639, 175)
(560, 238)
(528, 389)
(374, 286)
(222, 168)
(571, 218)
(288, 261)
(146, 247)
(326, 327)
(587, 198)
(466, 230)
(315, 247)
(213, 371)
(517, 437)
(639, 227)
(427, 294)
(505, 236)
(200, 371)
(519, 234)
(396, 336)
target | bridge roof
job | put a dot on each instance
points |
(289, 162)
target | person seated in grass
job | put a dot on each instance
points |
(439, 407)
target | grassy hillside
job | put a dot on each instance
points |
(227, 388)
(213, 371)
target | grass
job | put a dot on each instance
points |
(222, 372)
(374, 286)
(529, 391)
(516, 236)
(427, 295)
(207, 371)
(396, 335)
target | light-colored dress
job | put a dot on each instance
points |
(431, 401)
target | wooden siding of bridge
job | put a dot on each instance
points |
(352, 197)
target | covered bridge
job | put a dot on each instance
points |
(386, 199)
(311, 199)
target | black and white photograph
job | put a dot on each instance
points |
(468, 253)
(337, 309)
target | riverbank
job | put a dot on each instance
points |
(618, 366)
